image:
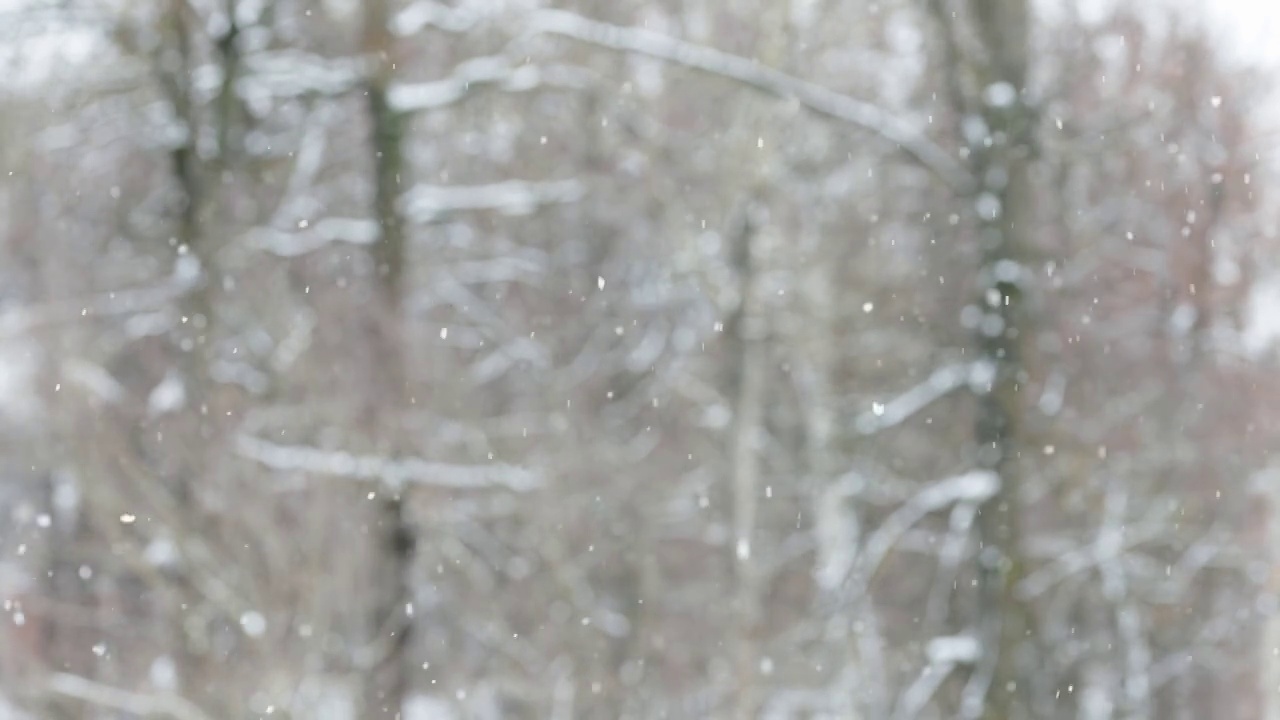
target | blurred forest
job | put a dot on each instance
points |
(872, 360)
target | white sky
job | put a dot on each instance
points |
(1253, 23)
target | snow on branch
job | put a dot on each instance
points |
(954, 650)
(941, 383)
(428, 13)
(477, 73)
(356, 231)
(973, 487)
(428, 203)
(187, 275)
(394, 472)
(93, 378)
(837, 531)
(1111, 545)
(765, 79)
(133, 703)
(294, 73)
(945, 654)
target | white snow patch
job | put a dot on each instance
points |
(1000, 94)
(837, 532)
(253, 624)
(162, 553)
(332, 698)
(427, 707)
(9, 711)
(169, 395)
(30, 63)
(163, 674)
(954, 650)
(1262, 317)
(18, 369)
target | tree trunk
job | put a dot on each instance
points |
(746, 330)
(1268, 482)
(388, 681)
(1004, 201)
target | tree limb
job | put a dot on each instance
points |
(394, 472)
(816, 98)
(140, 704)
(427, 203)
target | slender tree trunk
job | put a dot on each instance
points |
(1269, 483)
(1000, 160)
(190, 351)
(389, 681)
(749, 330)
(746, 330)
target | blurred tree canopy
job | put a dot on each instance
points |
(753, 359)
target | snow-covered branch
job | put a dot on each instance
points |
(816, 98)
(945, 654)
(133, 703)
(1109, 547)
(950, 556)
(294, 73)
(356, 231)
(428, 203)
(973, 487)
(837, 531)
(490, 71)
(394, 472)
(428, 13)
(941, 383)
(186, 276)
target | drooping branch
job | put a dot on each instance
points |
(972, 487)
(816, 98)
